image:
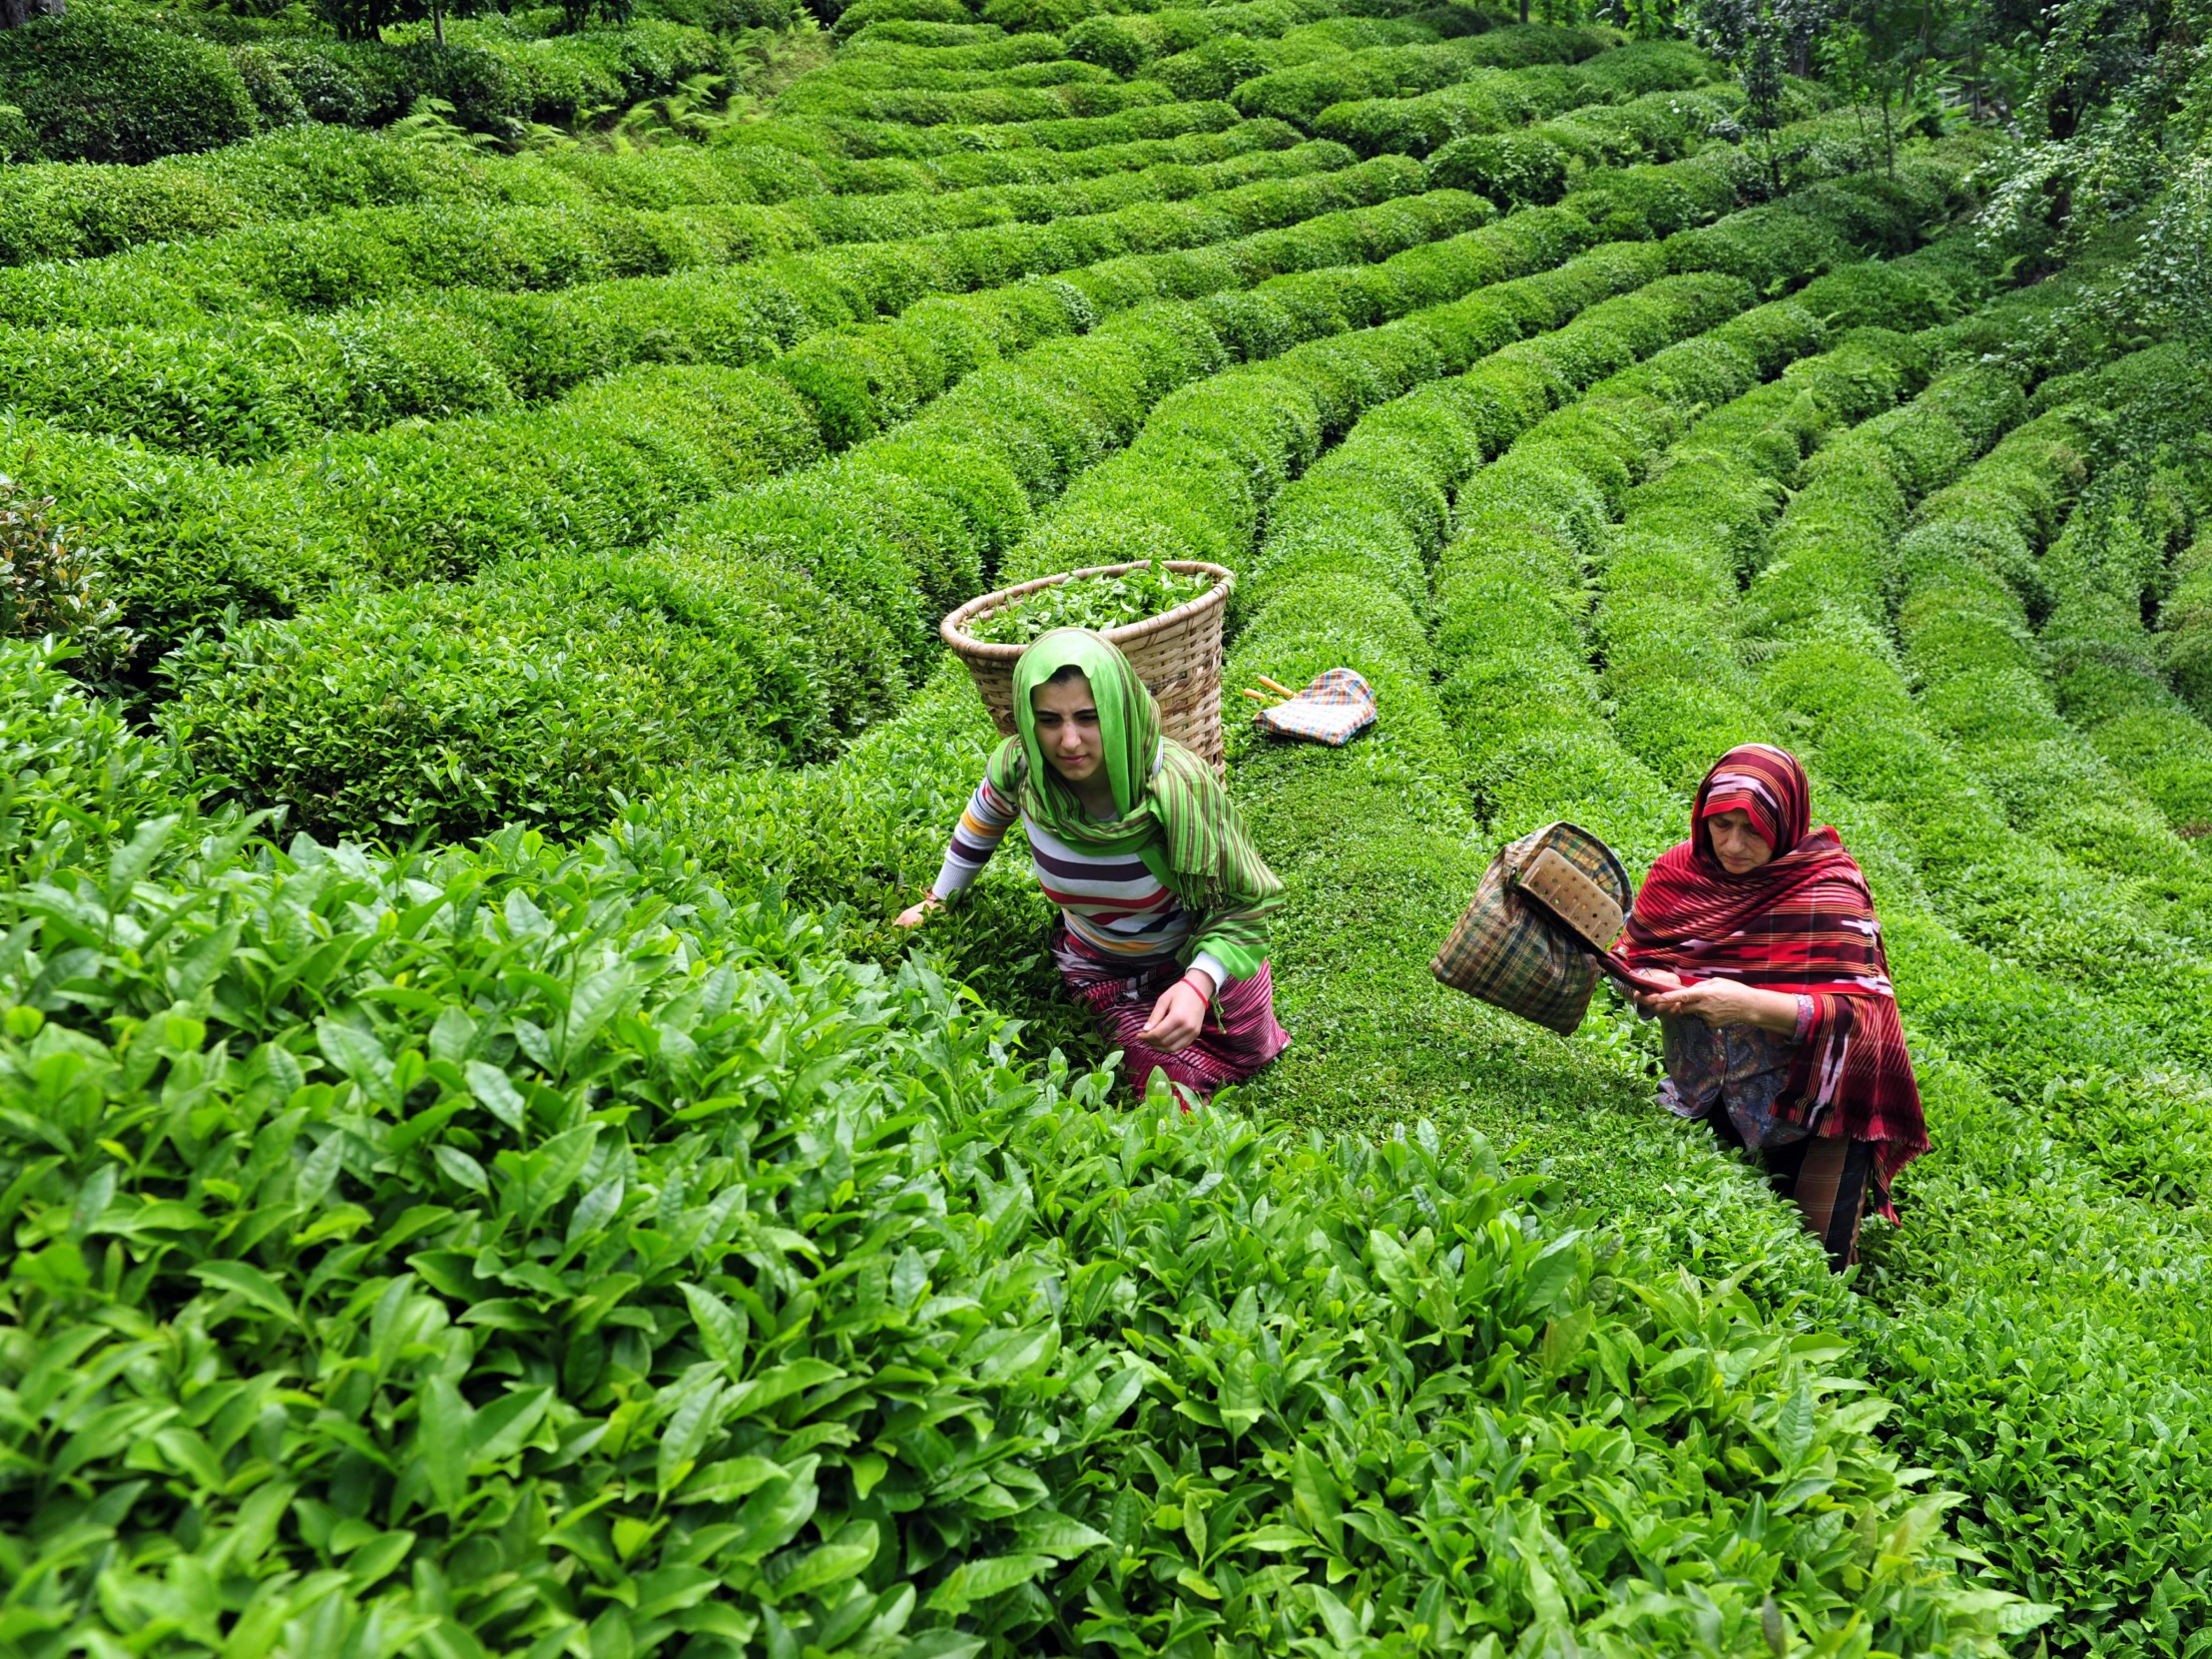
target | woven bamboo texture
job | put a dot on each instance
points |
(1177, 654)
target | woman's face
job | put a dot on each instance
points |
(1068, 728)
(1740, 849)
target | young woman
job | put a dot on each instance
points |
(1784, 1033)
(1163, 897)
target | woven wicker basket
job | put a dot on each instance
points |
(1177, 654)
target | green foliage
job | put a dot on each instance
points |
(1495, 101)
(2177, 256)
(571, 1256)
(1299, 95)
(17, 141)
(603, 1239)
(1512, 170)
(2185, 626)
(2018, 1384)
(52, 585)
(535, 697)
(903, 528)
(356, 255)
(1094, 601)
(95, 86)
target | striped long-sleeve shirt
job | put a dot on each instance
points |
(1115, 908)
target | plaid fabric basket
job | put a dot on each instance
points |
(1511, 953)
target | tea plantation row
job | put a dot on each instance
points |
(526, 1245)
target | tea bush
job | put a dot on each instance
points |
(1488, 101)
(79, 211)
(224, 390)
(2185, 627)
(1298, 95)
(1962, 581)
(2104, 571)
(908, 525)
(1091, 96)
(95, 86)
(670, 1276)
(848, 564)
(535, 1245)
(1323, 604)
(2009, 1264)
(188, 539)
(351, 257)
(833, 137)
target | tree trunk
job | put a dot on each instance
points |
(1524, 10)
(438, 22)
(14, 13)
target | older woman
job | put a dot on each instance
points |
(1782, 1033)
(1163, 897)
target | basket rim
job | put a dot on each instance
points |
(951, 629)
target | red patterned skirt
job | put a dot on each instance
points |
(1241, 1033)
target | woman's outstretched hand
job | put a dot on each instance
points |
(1722, 1002)
(1179, 1013)
(913, 916)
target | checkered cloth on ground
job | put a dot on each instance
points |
(1334, 709)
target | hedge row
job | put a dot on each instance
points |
(250, 389)
(1494, 101)
(823, 584)
(186, 540)
(1364, 847)
(1201, 480)
(1299, 95)
(1225, 59)
(1093, 95)
(961, 35)
(2106, 666)
(228, 390)
(918, 69)
(2185, 627)
(77, 210)
(1961, 583)
(98, 85)
(2015, 1331)
(829, 138)
(347, 259)
(674, 1282)
(2109, 569)
(1035, 164)
(1823, 603)
(495, 72)
(867, 552)
(1536, 165)
(891, 48)
(1128, 42)
(80, 210)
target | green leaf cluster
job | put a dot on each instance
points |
(1094, 601)
(510, 1247)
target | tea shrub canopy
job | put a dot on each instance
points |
(485, 1174)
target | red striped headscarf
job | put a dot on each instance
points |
(1802, 924)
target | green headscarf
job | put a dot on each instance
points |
(1171, 811)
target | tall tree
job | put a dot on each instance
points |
(1760, 38)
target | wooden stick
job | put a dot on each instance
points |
(1272, 685)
